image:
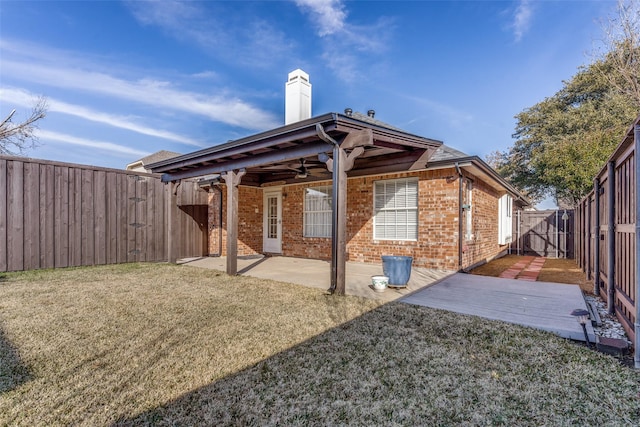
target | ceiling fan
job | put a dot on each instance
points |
(301, 171)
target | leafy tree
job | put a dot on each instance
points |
(564, 140)
(17, 138)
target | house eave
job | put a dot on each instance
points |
(293, 142)
(477, 167)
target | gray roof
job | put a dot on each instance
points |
(444, 153)
(373, 121)
(157, 156)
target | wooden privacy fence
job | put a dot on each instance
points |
(607, 237)
(547, 233)
(62, 215)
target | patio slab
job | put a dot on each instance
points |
(316, 274)
(539, 305)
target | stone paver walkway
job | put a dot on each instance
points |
(528, 268)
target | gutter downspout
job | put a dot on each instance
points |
(459, 215)
(636, 357)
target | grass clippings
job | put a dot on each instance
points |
(147, 344)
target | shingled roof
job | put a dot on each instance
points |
(152, 158)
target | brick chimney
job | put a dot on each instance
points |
(297, 97)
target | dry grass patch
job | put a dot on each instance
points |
(107, 342)
(167, 345)
(495, 267)
(554, 270)
(565, 271)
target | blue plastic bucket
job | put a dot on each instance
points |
(397, 268)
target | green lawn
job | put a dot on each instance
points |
(168, 345)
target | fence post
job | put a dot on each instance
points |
(596, 243)
(518, 228)
(589, 243)
(557, 235)
(611, 253)
(636, 326)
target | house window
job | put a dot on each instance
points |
(467, 208)
(317, 212)
(396, 209)
(505, 220)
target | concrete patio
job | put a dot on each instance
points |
(538, 305)
(315, 273)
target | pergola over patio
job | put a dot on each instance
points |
(343, 145)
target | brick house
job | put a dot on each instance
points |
(349, 187)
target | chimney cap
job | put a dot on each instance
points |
(371, 113)
(348, 111)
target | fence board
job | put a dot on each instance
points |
(47, 216)
(122, 217)
(31, 212)
(87, 219)
(57, 215)
(61, 220)
(619, 229)
(111, 229)
(100, 222)
(15, 209)
(3, 215)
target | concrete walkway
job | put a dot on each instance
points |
(316, 274)
(539, 305)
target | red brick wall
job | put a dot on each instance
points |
(249, 221)
(437, 244)
(484, 243)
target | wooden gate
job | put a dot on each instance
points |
(545, 233)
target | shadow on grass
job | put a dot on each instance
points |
(13, 372)
(407, 365)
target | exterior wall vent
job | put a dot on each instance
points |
(297, 97)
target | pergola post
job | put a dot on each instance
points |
(232, 179)
(339, 165)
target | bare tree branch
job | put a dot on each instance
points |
(15, 139)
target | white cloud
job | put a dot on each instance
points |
(24, 98)
(328, 15)
(98, 145)
(219, 29)
(454, 117)
(147, 91)
(522, 19)
(343, 41)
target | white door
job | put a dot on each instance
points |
(272, 222)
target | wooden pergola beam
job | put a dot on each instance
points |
(273, 156)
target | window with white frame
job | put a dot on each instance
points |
(505, 219)
(396, 209)
(467, 208)
(317, 212)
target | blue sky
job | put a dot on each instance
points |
(125, 79)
